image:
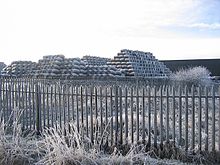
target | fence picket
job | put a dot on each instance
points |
(116, 115)
(137, 113)
(167, 114)
(121, 113)
(132, 117)
(193, 117)
(87, 113)
(219, 119)
(200, 118)
(111, 113)
(149, 116)
(180, 115)
(186, 118)
(143, 115)
(173, 115)
(213, 118)
(51, 107)
(206, 118)
(91, 114)
(155, 116)
(126, 115)
(161, 113)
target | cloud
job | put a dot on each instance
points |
(205, 26)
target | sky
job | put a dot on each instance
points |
(170, 29)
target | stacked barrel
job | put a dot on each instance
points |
(77, 67)
(94, 60)
(139, 64)
(19, 68)
(2, 66)
(49, 66)
(98, 67)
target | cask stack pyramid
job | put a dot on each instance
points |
(139, 64)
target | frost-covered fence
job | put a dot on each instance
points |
(119, 114)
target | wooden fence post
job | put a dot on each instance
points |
(1, 91)
(38, 105)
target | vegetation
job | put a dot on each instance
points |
(192, 76)
(57, 147)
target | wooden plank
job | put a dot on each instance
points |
(87, 112)
(132, 116)
(126, 115)
(106, 108)
(6, 101)
(30, 100)
(72, 102)
(96, 114)
(56, 104)
(149, 116)
(63, 115)
(206, 118)
(121, 113)
(26, 106)
(173, 115)
(23, 110)
(68, 104)
(167, 114)
(47, 108)
(9, 110)
(81, 108)
(186, 119)
(161, 113)
(219, 119)
(44, 106)
(200, 118)
(193, 118)
(137, 113)
(77, 108)
(50, 111)
(143, 115)
(59, 107)
(91, 114)
(213, 118)
(1, 93)
(180, 115)
(111, 113)
(34, 95)
(116, 115)
(155, 116)
(38, 98)
(101, 111)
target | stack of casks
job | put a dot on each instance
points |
(95, 61)
(2, 66)
(49, 66)
(139, 64)
(76, 67)
(98, 67)
(19, 68)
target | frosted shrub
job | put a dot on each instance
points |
(192, 76)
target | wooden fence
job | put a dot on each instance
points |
(188, 116)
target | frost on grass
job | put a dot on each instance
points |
(69, 147)
(15, 148)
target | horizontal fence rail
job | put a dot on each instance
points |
(187, 116)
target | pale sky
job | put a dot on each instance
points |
(170, 29)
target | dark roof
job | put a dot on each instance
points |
(213, 65)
